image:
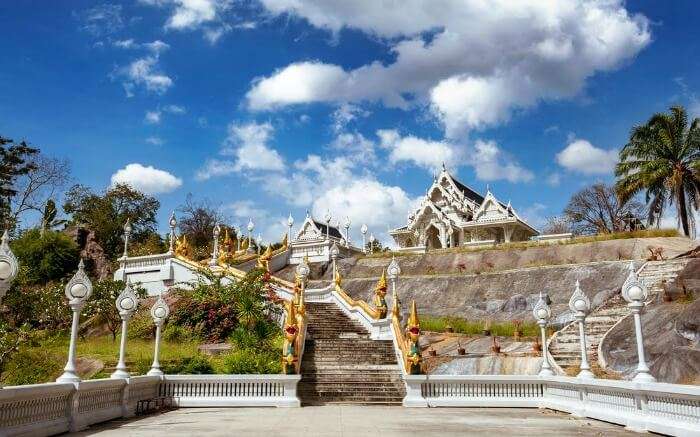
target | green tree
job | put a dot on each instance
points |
(106, 214)
(15, 161)
(662, 158)
(101, 309)
(48, 257)
(48, 218)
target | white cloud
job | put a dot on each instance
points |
(156, 141)
(346, 113)
(101, 20)
(272, 228)
(144, 72)
(479, 63)
(355, 146)
(423, 153)
(554, 179)
(248, 144)
(152, 117)
(155, 47)
(583, 157)
(534, 215)
(146, 179)
(197, 14)
(174, 109)
(125, 43)
(491, 163)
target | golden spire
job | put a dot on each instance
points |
(268, 252)
(413, 317)
(284, 240)
(381, 284)
(396, 309)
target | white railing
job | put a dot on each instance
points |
(231, 390)
(664, 408)
(48, 409)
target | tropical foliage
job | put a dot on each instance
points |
(662, 159)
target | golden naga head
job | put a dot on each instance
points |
(396, 308)
(182, 247)
(413, 325)
(380, 288)
(268, 253)
(284, 240)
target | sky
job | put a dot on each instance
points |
(271, 107)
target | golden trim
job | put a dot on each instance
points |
(371, 312)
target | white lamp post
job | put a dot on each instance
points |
(173, 223)
(159, 312)
(302, 272)
(78, 290)
(238, 238)
(346, 225)
(258, 242)
(127, 234)
(393, 271)
(9, 267)
(126, 303)
(290, 223)
(635, 293)
(371, 243)
(215, 253)
(328, 218)
(334, 256)
(542, 314)
(363, 230)
(251, 226)
(580, 306)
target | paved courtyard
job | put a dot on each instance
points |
(357, 421)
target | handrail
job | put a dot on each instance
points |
(373, 313)
(407, 340)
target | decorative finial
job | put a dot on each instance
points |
(290, 220)
(308, 215)
(443, 166)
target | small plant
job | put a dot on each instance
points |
(487, 327)
(449, 329)
(460, 349)
(495, 346)
(432, 352)
(517, 329)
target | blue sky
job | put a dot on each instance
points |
(279, 106)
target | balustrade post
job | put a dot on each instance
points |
(393, 271)
(290, 223)
(635, 293)
(78, 290)
(542, 314)
(173, 223)
(126, 303)
(159, 312)
(363, 230)
(580, 306)
(334, 258)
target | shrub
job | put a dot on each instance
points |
(51, 256)
(196, 365)
(178, 334)
(209, 319)
(33, 366)
(246, 361)
(141, 326)
(42, 307)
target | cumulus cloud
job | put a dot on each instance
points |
(146, 179)
(156, 141)
(146, 73)
(491, 163)
(474, 63)
(583, 157)
(423, 153)
(247, 145)
(152, 117)
(155, 116)
(156, 46)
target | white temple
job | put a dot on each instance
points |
(452, 214)
(315, 239)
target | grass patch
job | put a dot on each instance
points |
(649, 233)
(476, 327)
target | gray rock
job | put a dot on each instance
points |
(515, 304)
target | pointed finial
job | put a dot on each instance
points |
(443, 166)
(290, 220)
(308, 215)
(5, 239)
(488, 189)
(413, 317)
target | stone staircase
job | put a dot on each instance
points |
(564, 346)
(342, 365)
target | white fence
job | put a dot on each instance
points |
(48, 409)
(231, 390)
(664, 408)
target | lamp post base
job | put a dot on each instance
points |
(120, 374)
(155, 372)
(68, 377)
(585, 374)
(643, 376)
(546, 372)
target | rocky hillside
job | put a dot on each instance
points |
(671, 334)
(502, 284)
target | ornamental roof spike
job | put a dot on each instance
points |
(413, 317)
(290, 220)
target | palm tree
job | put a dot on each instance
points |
(662, 158)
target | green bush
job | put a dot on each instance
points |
(251, 361)
(51, 256)
(33, 366)
(196, 365)
(142, 326)
(178, 334)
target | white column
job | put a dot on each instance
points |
(155, 367)
(126, 304)
(78, 290)
(635, 293)
(363, 230)
(546, 369)
(290, 223)
(173, 223)
(215, 253)
(585, 372)
(580, 306)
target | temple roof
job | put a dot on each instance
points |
(468, 192)
(334, 232)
